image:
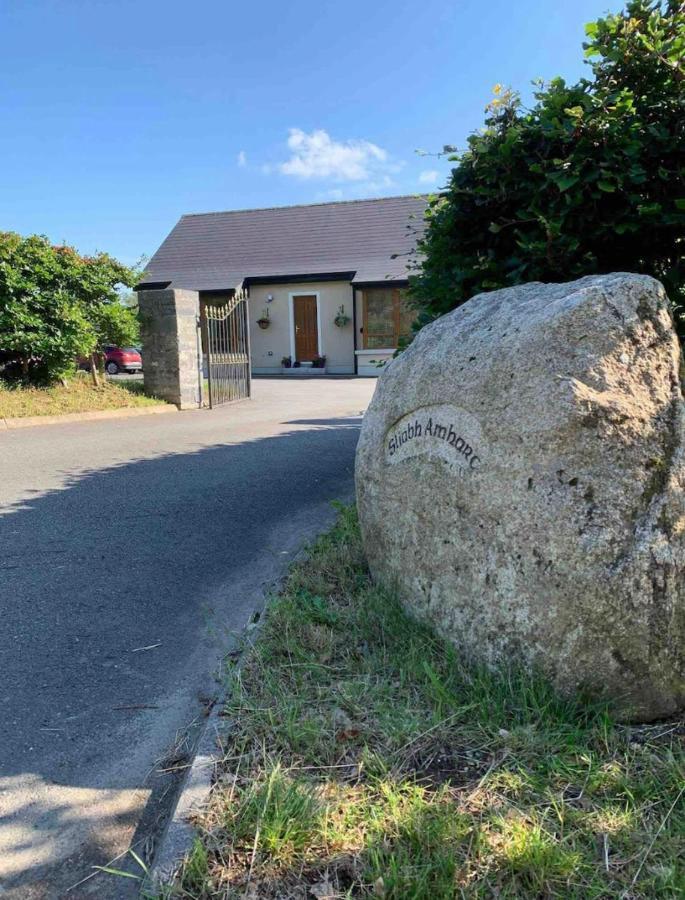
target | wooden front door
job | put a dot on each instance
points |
(306, 327)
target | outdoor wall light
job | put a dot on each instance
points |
(269, 298)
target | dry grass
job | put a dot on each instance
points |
(79, 395)
(365, 760)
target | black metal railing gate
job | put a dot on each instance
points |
(226, 340)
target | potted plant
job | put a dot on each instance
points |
(264, 321)
(287, 362)
(341, 318)
(319, 362)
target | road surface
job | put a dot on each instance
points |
(131, 553)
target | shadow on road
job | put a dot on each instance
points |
(120, 592)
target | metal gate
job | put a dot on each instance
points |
(226, 340)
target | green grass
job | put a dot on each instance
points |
(366, 760)
(78, 395)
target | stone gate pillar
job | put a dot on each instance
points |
(171, 347)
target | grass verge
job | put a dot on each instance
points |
(79, 395)
(366, 760)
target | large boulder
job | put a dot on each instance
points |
(520, 482)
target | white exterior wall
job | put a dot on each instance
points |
(371, 363)
(270, 345)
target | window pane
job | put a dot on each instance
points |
(407, 316)
(379, 311)
(388, 316)
(380, 341)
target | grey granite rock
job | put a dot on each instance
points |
(520, 482)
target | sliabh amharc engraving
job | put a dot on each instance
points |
(441, 430)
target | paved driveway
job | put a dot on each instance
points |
(130, 552)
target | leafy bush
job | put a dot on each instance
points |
(591, 179)
(56, 305)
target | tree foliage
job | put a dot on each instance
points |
(56, 305)
(591, 179)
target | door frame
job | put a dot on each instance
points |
(291, 317)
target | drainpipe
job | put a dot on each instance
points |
(354, 329)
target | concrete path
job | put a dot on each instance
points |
(130, 552)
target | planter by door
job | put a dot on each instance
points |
(306, 327)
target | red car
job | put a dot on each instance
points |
(122, 359)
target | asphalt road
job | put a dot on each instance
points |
(131, 553)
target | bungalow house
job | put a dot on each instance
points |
(324, 280)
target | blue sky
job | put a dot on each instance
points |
(120, 115)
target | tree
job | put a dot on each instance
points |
(591, 179)
(56, 305)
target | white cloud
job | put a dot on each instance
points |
(242, 159)
(429, 176)
(317, 155)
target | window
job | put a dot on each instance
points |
(387, 318)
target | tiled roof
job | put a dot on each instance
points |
(212, 251)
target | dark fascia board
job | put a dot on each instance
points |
(217, 292)
(152, 286)
(301, 279)
(283, 279)
(389, 283)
